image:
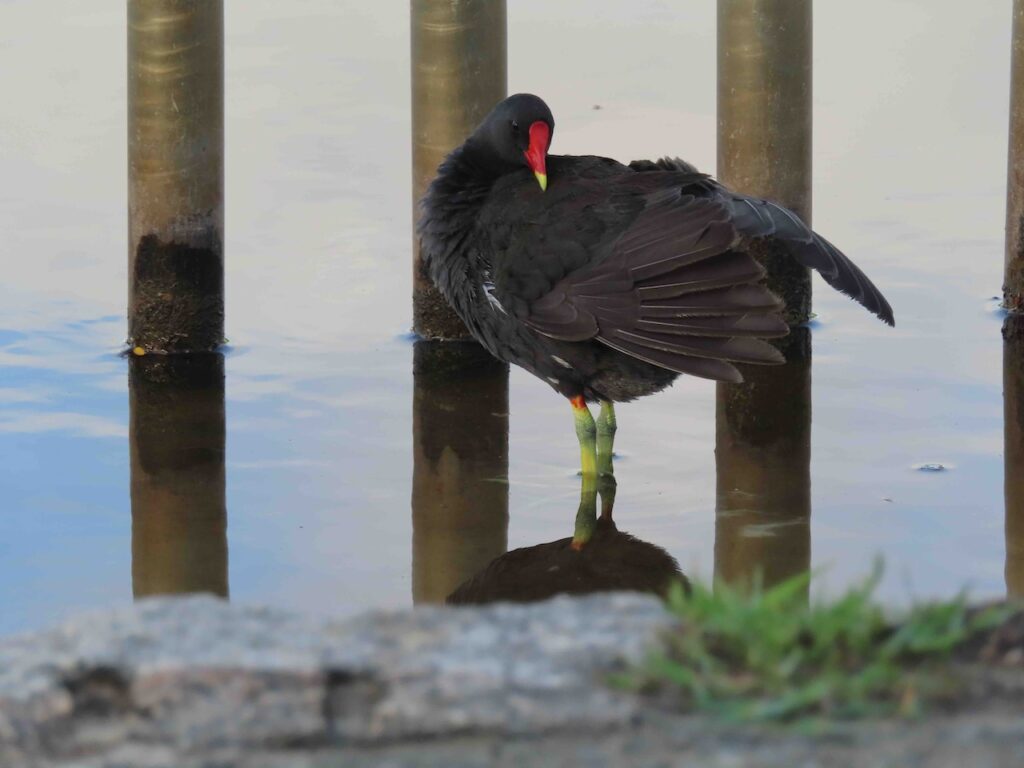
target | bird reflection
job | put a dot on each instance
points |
(763, 461)
(596, 558)
(1013, 435)
(179, 513)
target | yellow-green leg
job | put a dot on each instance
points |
(606, 426)
(607, 486)
(586, 515)
(586, 433)
(596, 439)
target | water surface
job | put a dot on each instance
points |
(311, 508)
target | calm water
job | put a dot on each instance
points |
(311, 506)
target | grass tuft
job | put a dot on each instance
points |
(765, 655)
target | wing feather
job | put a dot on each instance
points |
(756, 218)
(654, 265)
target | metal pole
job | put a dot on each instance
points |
(1013, 453)
(1013, 280)
(460, 465)
(176, 175)
(459, 67)
(763, 461)
(764, 119)
(179, 512)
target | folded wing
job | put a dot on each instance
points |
(671, 291)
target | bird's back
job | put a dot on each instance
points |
(648, 262)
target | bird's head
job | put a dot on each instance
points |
(518, 131)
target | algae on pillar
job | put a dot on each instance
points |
(176, 175)
(459, 66)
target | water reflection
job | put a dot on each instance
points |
(179, 515)
(596, 558)
(1013, 434)
(763, 461)
(460, 465)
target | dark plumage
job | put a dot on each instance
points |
(616, 278)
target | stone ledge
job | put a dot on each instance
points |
(195, 674)
(197, 682)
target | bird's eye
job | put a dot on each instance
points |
(515, 125)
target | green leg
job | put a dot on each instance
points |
(607, 486)
(586, 516)
(586, 433)
(606, 426)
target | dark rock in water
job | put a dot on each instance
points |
(932, 466)
(612, 561)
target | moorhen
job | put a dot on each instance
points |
(609, 280)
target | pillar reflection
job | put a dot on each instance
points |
(460, 465)
(763, 461)
(179, 512)
(1013, 435)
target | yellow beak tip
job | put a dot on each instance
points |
(542, 179)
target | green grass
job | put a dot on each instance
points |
(764, 654)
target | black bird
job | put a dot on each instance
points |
(609, 280)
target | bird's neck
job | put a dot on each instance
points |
(450, 211)
(465, 177)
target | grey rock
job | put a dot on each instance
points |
(200, 674)
(200, 683)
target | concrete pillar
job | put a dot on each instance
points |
(763, 437)
(1013, 280)
(764, 120)
(176, 175)
(459, 66)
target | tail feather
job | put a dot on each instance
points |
(756, 218)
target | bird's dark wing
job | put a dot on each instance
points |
(643, 265)
(757, 218)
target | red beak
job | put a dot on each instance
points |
(537, 152)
